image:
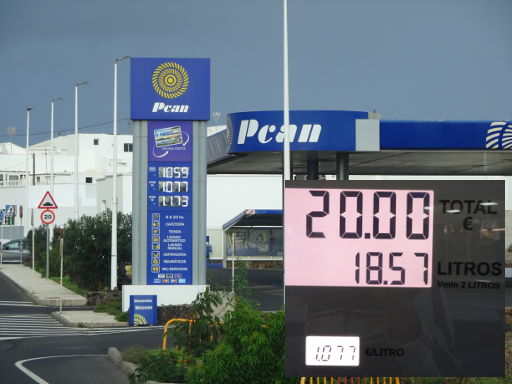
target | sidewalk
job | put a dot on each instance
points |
(49, 293)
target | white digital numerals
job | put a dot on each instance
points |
(332, 351)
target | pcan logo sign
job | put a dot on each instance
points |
(499, 135)
(170, 80)
(170, 89)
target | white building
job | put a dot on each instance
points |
(227, 195)
(94, 170)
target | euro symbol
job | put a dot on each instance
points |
(467, 223)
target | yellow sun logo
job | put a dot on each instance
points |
(170, 80)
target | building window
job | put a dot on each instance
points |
(96, 141)
(88, 180)
(128, 147)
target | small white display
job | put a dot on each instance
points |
(332, 351)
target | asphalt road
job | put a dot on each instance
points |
(265, 285)
(35, 347)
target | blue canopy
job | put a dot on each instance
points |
(256, 218)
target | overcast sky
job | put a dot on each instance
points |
(407, 59)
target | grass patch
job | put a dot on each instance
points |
(69, 284)
(113, 308)
(135, 354)
(66, 282)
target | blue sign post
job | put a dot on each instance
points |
(143, 310)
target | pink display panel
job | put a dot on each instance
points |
(358, 237)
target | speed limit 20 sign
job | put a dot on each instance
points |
(47, 216)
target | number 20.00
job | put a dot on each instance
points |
(356, 197)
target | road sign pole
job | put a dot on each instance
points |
(33, 236)
(33, 247)
(47, 252)
(61, 254)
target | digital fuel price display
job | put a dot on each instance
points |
(169, 202)
(373, 238)
(384, 279)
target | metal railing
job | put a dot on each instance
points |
(164, 340)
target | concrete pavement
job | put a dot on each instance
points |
(49, 293)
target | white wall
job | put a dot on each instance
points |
(229, 195)
(124, 193)
(95, 161)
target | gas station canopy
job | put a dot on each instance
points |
(256, 218)
(252, 144)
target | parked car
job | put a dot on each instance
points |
(15, 251)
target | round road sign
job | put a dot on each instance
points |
(47, 216)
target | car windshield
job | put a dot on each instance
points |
(14, 245)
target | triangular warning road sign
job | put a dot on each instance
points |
(47, 202)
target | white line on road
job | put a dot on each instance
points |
(13, 301)
(33, 376)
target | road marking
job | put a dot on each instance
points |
(33, 376)
(43, 325)
(11, 304)
(14, 301)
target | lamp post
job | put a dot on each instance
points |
(76, 146)
(52, 121)
(113, 259)
(286, 108)
(286, 116)
(26, 169)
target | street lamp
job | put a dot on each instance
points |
(113, 259)
(26, 169)
(76, 146)
(54, 100)
(286, 108)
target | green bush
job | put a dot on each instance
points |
(164, 366)
(251, 350)
(87, 249)
(204, 330)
